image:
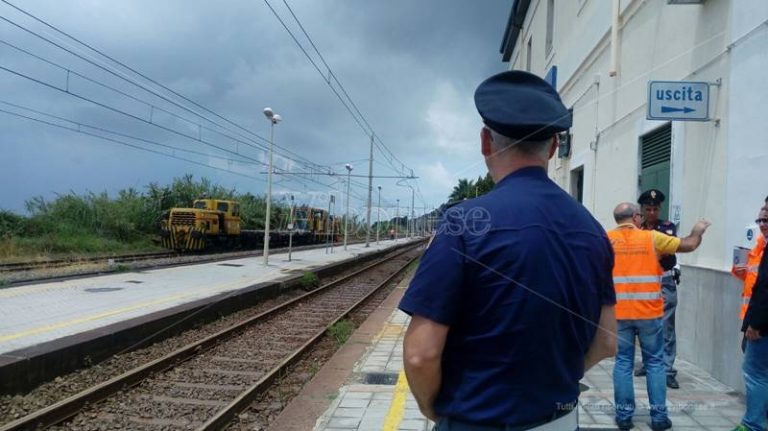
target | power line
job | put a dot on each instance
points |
(135, 72)
(327, 81)
(80, 125)
(122, 76)
(117, 141)
(151, 106)
(330, 72)
(196, 139)
(369, 131)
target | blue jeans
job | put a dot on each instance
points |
(669, 293)
(756, 381)
(651, 335)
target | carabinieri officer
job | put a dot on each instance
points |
(507, 300)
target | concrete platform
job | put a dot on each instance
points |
(372, 393)
(87, 318)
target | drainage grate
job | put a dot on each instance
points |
(102, 289)
(230, 264)
(134, 281)
(380, 379)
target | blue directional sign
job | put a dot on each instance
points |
(678, 100)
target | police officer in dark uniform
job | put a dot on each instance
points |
(650, 202)
(508, 298)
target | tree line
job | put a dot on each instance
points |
(468, 189)
(130, 221)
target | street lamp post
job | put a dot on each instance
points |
(413, 214)
(274, 119)
(397, 217)
(346, 219)
(329, 227)
(378, 217)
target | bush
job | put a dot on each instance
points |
(341, 330)
(10, 224)
(309, 281)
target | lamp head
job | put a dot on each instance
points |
(379, 188)
(349, 167)
(276, 118)
(268, 113)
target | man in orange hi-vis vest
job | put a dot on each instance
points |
(754, 314)
(748, 273)
(640, 308)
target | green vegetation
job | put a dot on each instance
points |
(309, 281)
(341, 331)
(467, 189)
(95, 223)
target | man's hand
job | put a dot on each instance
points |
(700, 227)
(752, 334)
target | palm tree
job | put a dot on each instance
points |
(465, 189)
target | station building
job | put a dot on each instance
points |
(707, 153)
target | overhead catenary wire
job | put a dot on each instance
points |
(368, 130)
(132, 81)
(138, 147)
(121, 75)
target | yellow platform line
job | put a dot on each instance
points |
(54, 326)
(397, 408)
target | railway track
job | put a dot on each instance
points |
(60, 263)
(205, 384)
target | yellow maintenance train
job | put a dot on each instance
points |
(216, 224)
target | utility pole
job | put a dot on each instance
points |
(370, 190)
(413, 214)
(346, 219)
(330, 238)
(378, 217)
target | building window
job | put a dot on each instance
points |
(550, 26)
(577, 184)
(528, 53)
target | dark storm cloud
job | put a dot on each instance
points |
(410, 67)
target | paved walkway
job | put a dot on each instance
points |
(376, 396)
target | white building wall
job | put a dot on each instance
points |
(747, 162)
(718, 167)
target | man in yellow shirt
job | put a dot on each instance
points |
(640, 307)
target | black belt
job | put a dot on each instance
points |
(469, 426)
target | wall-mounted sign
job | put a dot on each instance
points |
(678, 100)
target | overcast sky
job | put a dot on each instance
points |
(410, 67)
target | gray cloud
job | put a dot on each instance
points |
(411, 68)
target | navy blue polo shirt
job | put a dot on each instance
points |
(519, 275)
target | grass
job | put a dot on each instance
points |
(68, 245)
(309, 281)
(341, 331)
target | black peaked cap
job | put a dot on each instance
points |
(520, 105)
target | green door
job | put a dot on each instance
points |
(655, 156)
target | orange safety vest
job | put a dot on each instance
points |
(753, 262)
(636, 274)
